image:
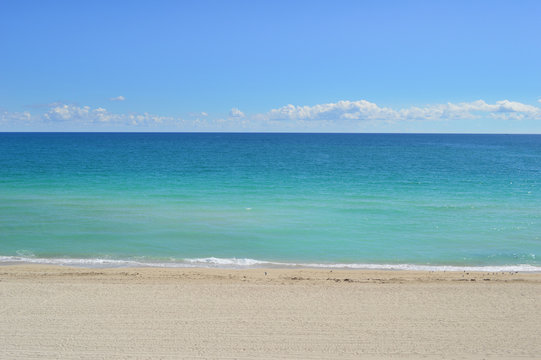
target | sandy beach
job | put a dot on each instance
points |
(74, 313)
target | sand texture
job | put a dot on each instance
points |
(68, 313)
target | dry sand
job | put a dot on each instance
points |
(68, 313)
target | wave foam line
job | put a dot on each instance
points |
(234, 263)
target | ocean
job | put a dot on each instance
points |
(384, 201)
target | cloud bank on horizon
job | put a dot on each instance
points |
(350, 115)
(365, 110)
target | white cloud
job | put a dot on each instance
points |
(88, 115)
(236, 113)
(351, 110)
(118, 98)
(198, 114)
(363, 110)
(64, 112)
(15, 117)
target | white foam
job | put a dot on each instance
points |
(243, 263)
(226, 261)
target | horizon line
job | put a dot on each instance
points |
(260, 132)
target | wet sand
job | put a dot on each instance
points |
(49, 312)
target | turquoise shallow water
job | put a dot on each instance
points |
(358, 200)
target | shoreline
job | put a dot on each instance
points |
(246, 263)
(141, 313)
(34, 271)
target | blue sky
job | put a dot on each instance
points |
(360, 66)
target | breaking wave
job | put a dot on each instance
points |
(238, 263)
